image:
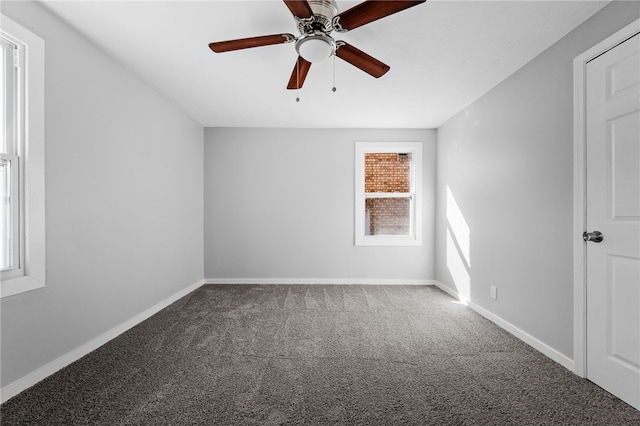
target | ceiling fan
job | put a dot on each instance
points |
(316, 20)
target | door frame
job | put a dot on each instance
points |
(579, 191)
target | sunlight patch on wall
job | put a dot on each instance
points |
(458, 248)
(459, 227)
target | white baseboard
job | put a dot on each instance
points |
(45, 371)
(324, 281)
(540, 346)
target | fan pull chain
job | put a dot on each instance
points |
(298, 80)
(333, 89)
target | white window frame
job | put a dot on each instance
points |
(415, 237)
(12, 202)
(29, 161)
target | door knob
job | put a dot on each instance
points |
(594, 237)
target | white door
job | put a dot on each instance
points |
(613, 208)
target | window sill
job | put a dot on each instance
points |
(20, 285)
(394, 241)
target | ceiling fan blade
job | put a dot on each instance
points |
(299, 73)
(369, 11)
(246, 43)
(359, 59)
(299, 8)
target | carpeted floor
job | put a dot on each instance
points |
(316, 355)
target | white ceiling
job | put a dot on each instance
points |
(443, 56)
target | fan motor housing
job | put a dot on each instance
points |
(323, 13)
(324, 8)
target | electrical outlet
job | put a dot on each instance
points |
(494, 292)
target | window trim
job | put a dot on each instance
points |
(415, 148)
(32, 185)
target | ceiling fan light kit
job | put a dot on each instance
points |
(315, 47)
(316, 20)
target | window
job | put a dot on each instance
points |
(22, 262)
(10, 155)
(388, 197)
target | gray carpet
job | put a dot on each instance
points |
(316, 355)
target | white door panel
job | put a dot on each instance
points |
(613, 208)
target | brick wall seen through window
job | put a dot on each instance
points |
(388, 173)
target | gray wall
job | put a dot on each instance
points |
(279, 205)
(123, 202)
(507, 161)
